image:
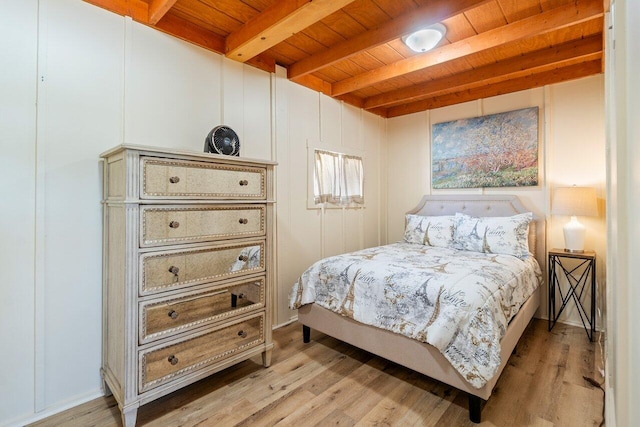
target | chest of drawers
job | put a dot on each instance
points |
(187, 269)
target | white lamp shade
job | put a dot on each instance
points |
(578, 201)
(574, 201)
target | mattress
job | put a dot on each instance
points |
(458, 301)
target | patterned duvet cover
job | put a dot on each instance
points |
(458, 301)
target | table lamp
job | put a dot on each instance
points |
(574, 201)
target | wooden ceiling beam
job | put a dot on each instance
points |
(351, 99)
(319, 85)
(573, 50)
(191, 33)
(315, 83)
(546, 22)
(138, 10)
(435, 11)
(557, 75)
(276, 24)
(514, 76)
(158, 8)
(263, 62)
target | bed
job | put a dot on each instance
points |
(445, 359)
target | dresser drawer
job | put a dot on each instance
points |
(166, 225)
(162, 364)
(170, 316)
(176, 179)
(163, 271)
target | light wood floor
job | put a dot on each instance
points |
(327, 382)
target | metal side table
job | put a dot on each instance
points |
(578, 277)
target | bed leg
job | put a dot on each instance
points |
(306, 334)
(475, 408)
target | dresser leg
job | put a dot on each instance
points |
(105, 388)
(103, 384)
(266, 358)
(129, 416)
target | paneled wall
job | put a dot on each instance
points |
(577, 155)
(623, 157)
(80, 113)
(571, 151)
(99, 80)
(305, 120)
(18, 62)
(77, 80)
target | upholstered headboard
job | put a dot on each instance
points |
(494, 205)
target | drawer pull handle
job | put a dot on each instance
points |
(243, 182)
(243, 258)
(174, 179)
(174, 224)
(243, 221)
(173, 314)
(173, 360)
(240, 296)
(242, 334)
(174, 270)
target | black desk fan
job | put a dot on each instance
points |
(222, 140)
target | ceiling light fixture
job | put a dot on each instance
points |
(425, 39)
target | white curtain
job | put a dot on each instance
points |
(327, 179)
(353, 180)
(338, 178)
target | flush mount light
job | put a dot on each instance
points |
(425, 39)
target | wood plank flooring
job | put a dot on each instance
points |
(328, 382)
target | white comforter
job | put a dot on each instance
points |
(458, 301)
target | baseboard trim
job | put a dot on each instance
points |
(609, 409)
(47, 412)
(282, 325)
(609, 396)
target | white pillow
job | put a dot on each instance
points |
(430, 230)
(497, 235)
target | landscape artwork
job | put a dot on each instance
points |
(498, 150)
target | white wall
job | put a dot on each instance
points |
(100, 80)
(577, 155)
(18, 43)
(305, 120)
(623, 178)
(571, 151)
(80, 92)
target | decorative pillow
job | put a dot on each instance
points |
(496, 235)
(430, 230)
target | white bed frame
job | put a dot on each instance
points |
(422, 357)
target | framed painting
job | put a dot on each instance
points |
(497, 150)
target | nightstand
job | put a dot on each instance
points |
(578, 274)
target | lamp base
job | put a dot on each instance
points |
(574, 236)
(574, 251)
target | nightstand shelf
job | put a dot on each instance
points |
(578, 277)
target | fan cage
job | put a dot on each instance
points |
(222, 140)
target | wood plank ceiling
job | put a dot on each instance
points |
(352, 50)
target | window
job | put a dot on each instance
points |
(338, 178)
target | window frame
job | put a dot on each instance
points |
(312, 147)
